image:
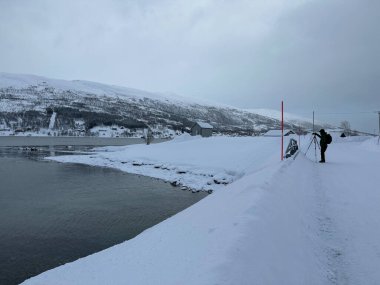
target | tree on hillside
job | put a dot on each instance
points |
(346, 127)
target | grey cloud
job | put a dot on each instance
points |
(319, 55)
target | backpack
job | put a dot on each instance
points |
(328, 139)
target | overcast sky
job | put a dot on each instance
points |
(322, 55)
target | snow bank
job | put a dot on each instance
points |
(193, 162)
(296, 222)
(372, 144)
(246, 235)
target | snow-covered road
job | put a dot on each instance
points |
(349, 195)
(316, 224)
(296, 222)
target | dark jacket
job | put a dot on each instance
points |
(323, 137)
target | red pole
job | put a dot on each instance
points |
(282, 130)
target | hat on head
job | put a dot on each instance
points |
(322, 131)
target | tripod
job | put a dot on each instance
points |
(316, 143)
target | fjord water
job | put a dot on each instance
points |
(54, 213)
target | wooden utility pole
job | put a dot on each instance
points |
(282, 130)
(299, 136)
(378, 140)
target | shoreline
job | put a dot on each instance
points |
(89, 209)
(115, 168)
(191, 163)
(134, 253)
(10, 141)
(269, 227)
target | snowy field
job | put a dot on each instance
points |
(193, 162)
(291, 222)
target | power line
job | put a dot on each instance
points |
(338, 113)
(346, 113)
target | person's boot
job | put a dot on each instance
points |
(322, 161)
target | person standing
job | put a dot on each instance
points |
(324, 142)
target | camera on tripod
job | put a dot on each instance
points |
(316, 143)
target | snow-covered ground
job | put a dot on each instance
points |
(194, 162)
(291, 222)
(111, 131)
(40, 133)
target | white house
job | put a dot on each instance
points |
(278, 133)
(202, 128)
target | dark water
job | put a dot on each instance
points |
(52, 213)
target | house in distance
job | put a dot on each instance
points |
(202, 128)
(278, 133)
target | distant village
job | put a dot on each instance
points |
(113, 131)
(203, 129)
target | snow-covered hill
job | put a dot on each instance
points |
(23, 81)
(29, 101)
(288, 117)
(276, 114)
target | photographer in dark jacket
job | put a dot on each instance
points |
(323, 143)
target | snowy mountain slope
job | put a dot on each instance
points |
(288, 117)
(277, 115)
(21, 81)
(29, 101)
